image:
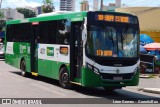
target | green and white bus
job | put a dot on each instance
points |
(91, 49)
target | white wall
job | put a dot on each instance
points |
(12, 14)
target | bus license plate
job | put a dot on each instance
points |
(117, 78)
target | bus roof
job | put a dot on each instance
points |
(54, 13)
(74, 16)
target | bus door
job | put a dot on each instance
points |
(34, 49)
(76, 50)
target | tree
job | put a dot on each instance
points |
(48, 6)
(2, 22)
(26, 12)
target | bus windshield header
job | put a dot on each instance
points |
(112, 18)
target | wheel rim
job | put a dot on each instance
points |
(64, 78)
(23, 68)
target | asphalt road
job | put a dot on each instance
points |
(13, 85)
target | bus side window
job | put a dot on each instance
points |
(47, 32)
(63, 32)
(52, 27)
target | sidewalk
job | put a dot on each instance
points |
(150, 84)
(152, 90)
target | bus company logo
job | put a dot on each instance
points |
(22, 49)
(42, 51)
(117, 71)
(50, 51)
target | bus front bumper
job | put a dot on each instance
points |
(91, 79)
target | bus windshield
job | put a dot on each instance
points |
(112, 41)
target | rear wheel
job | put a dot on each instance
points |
(23, 68)
(64, 78)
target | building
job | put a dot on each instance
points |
(84, 5)
(118, 3)
(67, 5)
(95, 5)
(11, 14)
(110, 7)
(39, 10)
(148, 19)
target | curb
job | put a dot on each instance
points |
(144, 76)
(152, 90)
(149, 76)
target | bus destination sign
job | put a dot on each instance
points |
(112, 18)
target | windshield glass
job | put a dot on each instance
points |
(112, 41)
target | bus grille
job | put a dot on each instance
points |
(111, 76)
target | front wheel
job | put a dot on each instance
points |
(64, 78)
(23, 68)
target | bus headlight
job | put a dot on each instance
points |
(135, 70)
(89, 66)
(96, 70)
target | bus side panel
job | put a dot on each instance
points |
(50, 59)
(23, 52)
(15, 52)
(9, 59)
(90, 79)
(45, 68)
(49, 68)
(9, 54)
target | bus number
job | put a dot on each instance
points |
(104, 53)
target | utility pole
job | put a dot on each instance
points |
(101, 8)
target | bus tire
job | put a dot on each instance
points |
(23, 68)
(64, 78)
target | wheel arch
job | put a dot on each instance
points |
(22, 59)
(63, 71)
(62, 66)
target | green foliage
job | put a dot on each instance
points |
(26, 12)
(48, 6)
(2, 22)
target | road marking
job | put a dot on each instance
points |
(47, 89)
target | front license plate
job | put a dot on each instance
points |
(117, 78)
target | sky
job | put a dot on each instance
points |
(35, 3)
